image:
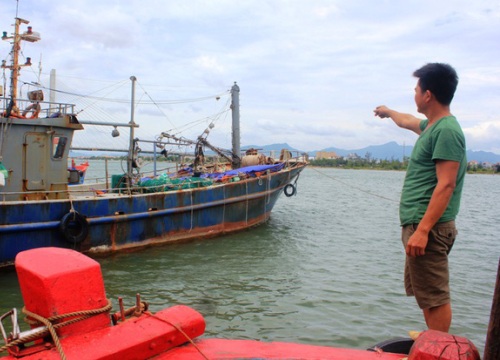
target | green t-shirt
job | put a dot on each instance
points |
(444, 140)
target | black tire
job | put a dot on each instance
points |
(397, 346)
(289, 190)
(74, 227)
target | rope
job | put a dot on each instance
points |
(268, 189)
(192, 210)
(72, 209)
(4, 131)
(246, 203)
(354, 187)
(224, 208)
(295, 183)
(80, 315)
(51, 328)
(182, 332)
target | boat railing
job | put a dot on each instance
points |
(289, 157)
(106, 179)
(85, 191)
(48, 108)
(93, 190)
(101, 187)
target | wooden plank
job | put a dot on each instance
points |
(492, 347)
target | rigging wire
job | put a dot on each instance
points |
(122, 83)
(87, 102)
(156, 104)
(151, 102)
(355, 187)
(214, 118)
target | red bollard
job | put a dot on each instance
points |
(56, 281)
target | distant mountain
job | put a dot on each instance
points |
(393, 150)
(483, 157)
(272, 147)
(389, 151)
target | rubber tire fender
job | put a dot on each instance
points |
(290, 192)
(74, 227)
(397, 345)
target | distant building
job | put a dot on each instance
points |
(326, 155)
(353, 156)
(474, 164)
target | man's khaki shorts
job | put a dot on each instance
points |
(427, 276)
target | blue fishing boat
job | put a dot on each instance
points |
(210, 196)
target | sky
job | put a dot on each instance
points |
(310, 72)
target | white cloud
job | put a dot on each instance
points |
(209, 63)
(310, 72)
(484, 135)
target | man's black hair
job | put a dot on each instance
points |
(440, 79)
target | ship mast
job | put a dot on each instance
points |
(131, 149)
(15, 67)
(235, 107)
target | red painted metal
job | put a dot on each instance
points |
(59, 281)
(437, 345)
(221, 349)
(137, 338)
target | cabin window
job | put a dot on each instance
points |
(58, 146)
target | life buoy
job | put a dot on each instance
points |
(13, 115)
(74, 227)
(34, 109)
(289, 190)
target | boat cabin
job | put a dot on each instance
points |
(34, 155)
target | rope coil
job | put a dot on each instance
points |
(35, 319)
(50, 328)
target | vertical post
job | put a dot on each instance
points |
(492, 347)
(130, 157)
(154, 158)
(107, 174)
(15, 60)
(52, 94)
(235, 107)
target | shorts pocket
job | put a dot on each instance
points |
(446, 235)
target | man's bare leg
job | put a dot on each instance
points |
(438, 318)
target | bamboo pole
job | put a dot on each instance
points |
(492, 347)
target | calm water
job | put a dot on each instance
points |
(326, 269)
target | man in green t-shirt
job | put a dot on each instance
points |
(430, 199)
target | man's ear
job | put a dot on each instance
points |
(428, 96)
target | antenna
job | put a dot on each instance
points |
(39, 69)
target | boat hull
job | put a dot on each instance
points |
(117, 222)
(244, 349)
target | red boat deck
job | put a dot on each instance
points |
(251, 349)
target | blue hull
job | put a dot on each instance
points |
(123, 222)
